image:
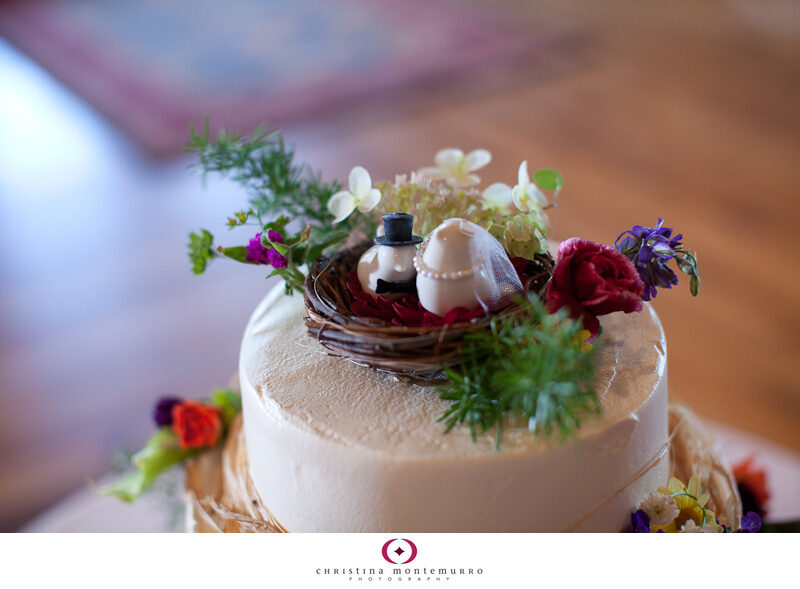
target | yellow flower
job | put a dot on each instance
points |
(691, 502)
(582, 338)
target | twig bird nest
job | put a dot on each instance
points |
(412, 354)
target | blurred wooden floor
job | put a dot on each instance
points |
(690, 113)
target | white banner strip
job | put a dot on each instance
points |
(386, 560)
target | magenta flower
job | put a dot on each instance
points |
(256, 252)
(276, 259)
(260, 254)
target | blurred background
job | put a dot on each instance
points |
(687, 110)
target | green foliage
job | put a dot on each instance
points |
(535, 367)
(687, 262)
(240, 218)
(237, 253)
(548, 179)
(279, 189)
(523, 235)
(229, 401)
(161, 452)
(200, 250)
(265, 167)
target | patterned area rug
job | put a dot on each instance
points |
(154, 66)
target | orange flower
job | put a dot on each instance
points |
(752, 483)
(197, 425)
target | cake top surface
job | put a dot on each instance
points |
(302, 386)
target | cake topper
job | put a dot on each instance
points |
(387, 268)
(462, 265)
(468, 323)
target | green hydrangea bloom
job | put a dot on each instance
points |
(523, 235)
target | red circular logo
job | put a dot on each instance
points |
(399, 551)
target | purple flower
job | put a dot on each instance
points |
(162, 412)
(276, 259)
(751, 522)
(258, 253)
(650, 249)
(640, 522)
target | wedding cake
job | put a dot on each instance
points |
(335, 447)
(474, 377)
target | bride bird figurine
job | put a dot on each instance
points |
(462, 265)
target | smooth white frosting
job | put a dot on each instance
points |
(335, 447)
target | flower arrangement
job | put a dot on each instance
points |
(592, 279)
(533, 365)
(186, 428)
(682, 508)
(651, 249)
(755, 492)
(751, 482)
(284, 194)
(297, 220)
(287, 214)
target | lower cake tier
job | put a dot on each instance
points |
(221, 496)
(335, 447)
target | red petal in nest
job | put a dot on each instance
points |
(364, 305)
(520, 264)
(408, 311)
(461, 314)
(403, 312)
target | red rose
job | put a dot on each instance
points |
(592, 279)
(196, 424)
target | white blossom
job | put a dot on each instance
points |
(690, 527)
(526, 196)
(497, 196)
(660, 508)
(457, 169)
(361, 195)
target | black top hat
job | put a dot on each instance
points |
(398, 230)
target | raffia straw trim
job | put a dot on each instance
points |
(650, 465)
(692, 452)
(221, 496)
(695, 453)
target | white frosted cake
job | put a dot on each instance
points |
(336, 447)
(434, 368)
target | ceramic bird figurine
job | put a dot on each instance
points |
(387, 268)
(462, 265)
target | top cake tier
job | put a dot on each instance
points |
(333, 446)
(300, 384)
